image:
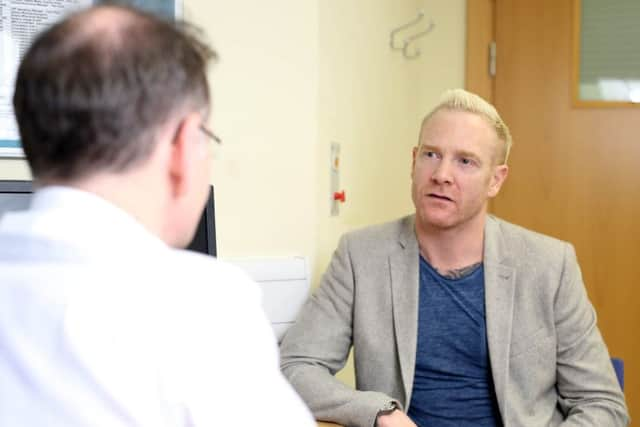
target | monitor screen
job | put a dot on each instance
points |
(16, 195)
(204, 240)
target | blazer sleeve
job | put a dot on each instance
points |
(587, 385)
(318, 344)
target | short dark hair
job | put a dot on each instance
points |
(90, 99)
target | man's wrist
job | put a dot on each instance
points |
(387, 409)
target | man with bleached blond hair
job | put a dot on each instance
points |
(456, 318)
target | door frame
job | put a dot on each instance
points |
(480, 33)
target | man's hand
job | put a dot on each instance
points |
(395, 419)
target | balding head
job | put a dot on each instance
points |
(105, 22)
(94, 89)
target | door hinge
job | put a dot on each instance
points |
(492, 59)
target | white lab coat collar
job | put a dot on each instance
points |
(81, 218)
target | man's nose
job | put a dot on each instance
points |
(442, 172)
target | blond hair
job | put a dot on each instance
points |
(461, 100)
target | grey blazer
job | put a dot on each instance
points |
(550, 365)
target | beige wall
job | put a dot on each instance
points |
(371, 101)
(265, 88)
(14, 169)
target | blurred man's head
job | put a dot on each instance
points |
(110, 96)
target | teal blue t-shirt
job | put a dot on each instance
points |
(452, 386)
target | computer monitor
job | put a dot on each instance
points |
(16, 195)
(204, 241)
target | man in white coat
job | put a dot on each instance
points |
(102, 321)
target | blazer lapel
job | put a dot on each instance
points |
(403, 265)
(500, 279)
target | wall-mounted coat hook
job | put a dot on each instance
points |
(409, 40)
(395, 31)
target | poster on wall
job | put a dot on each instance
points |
(20, 22)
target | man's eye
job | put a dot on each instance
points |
(431, 154)
(466, 161)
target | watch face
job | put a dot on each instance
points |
(389, 407)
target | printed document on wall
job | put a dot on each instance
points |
(20, 22)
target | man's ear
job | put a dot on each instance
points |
(497, 179)
(183, 154)
(413, 161)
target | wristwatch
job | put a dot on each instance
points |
(388, 408)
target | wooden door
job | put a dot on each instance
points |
(575, 172)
